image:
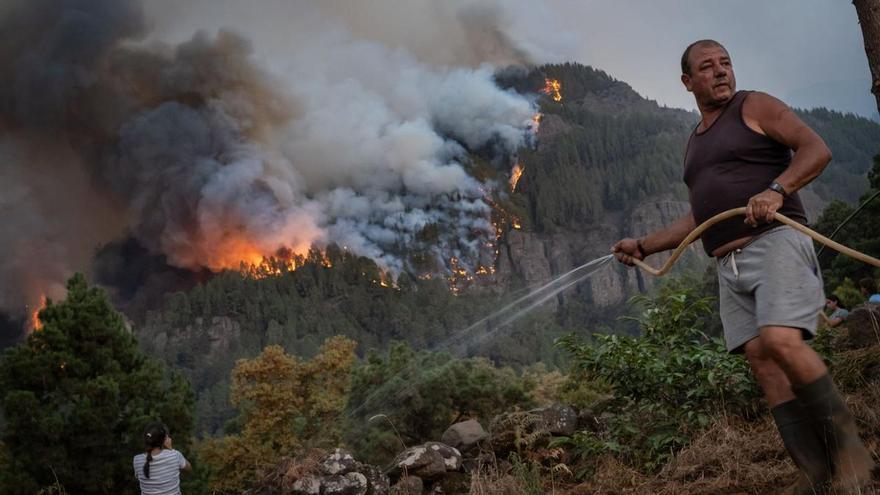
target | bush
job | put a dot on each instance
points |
(665, 385)
(421, 394)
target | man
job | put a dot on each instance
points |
(770, 288)
(838, 314)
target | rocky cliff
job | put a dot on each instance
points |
(536, 258)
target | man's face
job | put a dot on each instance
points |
(711, 79)
(830, 304)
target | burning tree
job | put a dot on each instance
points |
(76, 396)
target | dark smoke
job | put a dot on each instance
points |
(207, 159)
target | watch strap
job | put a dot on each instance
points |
(775, 186)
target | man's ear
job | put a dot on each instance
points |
(686, 80)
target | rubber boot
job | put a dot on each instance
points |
(805, 447)
(836, 426)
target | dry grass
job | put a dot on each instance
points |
(735, 456)
(282, 478)
(495, 478)
(492, 482)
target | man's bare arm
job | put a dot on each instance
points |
(670, 237)
(660, 240)
(767, 115)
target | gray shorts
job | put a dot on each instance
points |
(772, 281)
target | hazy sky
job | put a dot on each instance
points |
(806, 52)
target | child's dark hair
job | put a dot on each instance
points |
(154, 437)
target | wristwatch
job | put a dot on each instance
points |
(775, 186)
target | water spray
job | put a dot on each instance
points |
(459, 342)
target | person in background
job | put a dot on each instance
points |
(868, 288)
(838, 314)
(158, 469)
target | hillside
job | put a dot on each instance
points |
(607, 165)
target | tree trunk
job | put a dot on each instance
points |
(869, 18)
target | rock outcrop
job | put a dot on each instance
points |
(427, 461)
(465, 435)
(338, 473)
(221, 332)
(536, 258)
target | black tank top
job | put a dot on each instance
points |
(727, 164)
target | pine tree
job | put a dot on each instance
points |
(286, 405)
(76, 396)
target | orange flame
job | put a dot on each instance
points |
(515, 174)
(459, 277)
(552, 87)
(35, 323)
(536, 122)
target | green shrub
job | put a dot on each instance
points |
(408, 397)
(665, 385)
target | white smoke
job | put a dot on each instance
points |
(347, 136)
(381, 138)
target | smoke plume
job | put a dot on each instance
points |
(211, 153)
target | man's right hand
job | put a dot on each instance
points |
(626, 250)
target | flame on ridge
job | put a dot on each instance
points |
(515, 175)
(552, 87)
(34, 322)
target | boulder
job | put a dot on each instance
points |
(451, 455)
(344, 484)
(558, 419)
(338, 473)
(419, 461)
(339, 462)
(465, 435)
(408, 485)
(429, 461)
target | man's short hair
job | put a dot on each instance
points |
(834, 298)
(685, 63)
(869, 285)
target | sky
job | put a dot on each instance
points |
(807, 52)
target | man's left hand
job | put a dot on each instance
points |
(762, 207)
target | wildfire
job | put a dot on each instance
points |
(552, 87)
(515, 174)
(459, 277)
(284, 261)
(34, 322)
